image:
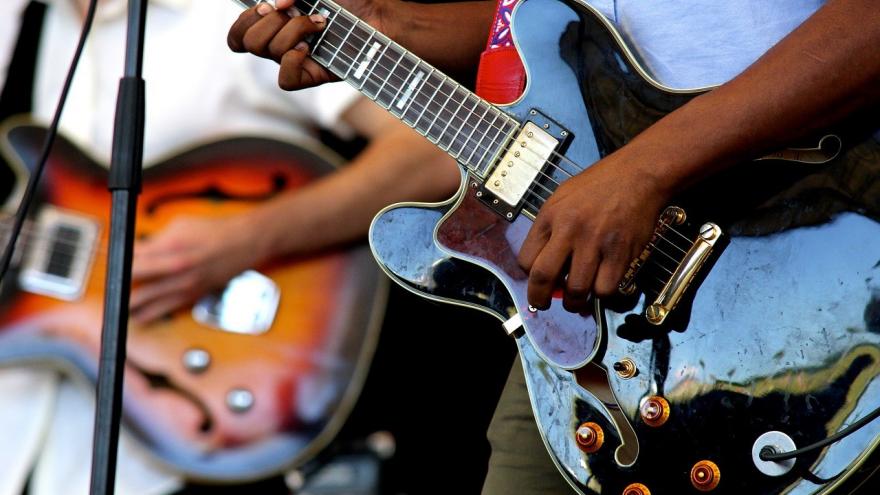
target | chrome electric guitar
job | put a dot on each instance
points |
(750, 328)
(247, 383)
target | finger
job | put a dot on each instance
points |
(298, 71)
(235, 37)
(256, 40)
(283, 4)
(181, 284)
(159, 308)
(293, 32)
(610, 272)
(535, 241)
(159, 263)
(580, 279)
(546, 270)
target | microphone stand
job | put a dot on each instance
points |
(124, 184)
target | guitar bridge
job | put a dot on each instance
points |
(666, 245)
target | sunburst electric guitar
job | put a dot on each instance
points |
(250, 381)
(750, 328)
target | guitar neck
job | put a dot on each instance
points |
(467, 127)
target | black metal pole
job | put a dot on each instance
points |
(124, 185)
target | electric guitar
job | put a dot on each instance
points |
(250, 381)
(748, 328)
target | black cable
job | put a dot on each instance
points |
(34, 178)
(770, 454)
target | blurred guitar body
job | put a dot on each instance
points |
(250, 381)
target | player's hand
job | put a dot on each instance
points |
(186, 260)
(588, 232)
(272, 33)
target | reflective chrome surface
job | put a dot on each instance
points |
(247, 305)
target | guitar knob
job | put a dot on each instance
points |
(636, 489)
(655, 411)
(240, 400)
(705, 476)
(590, 437)
(196, 360)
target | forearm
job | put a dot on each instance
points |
(820, 73)
(396, 166)
(450, 36)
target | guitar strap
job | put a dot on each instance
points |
(18, 91)
(501, 76)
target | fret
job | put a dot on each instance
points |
(469, 136)
(364, 63)
(341, 59)
(428, 103)
(437, 115)
(411, 89)
(404, 92)
(327, 28)
(499, 145)
(342, 43)
(415, 97)
(399, 80)
(370, 71)
(387, 105)
(451, 119)
(483, 136)
(465, 121)
(356, 57)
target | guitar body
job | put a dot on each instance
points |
(212, 399)
(779, 333)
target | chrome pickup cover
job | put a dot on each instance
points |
(58, 262)
(521, 164)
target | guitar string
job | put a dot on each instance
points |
(350, 60)
(357, 22)
(394, 90)
(327, 44)
(479, 147)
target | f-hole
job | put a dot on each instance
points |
(594, 379)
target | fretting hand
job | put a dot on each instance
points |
(273, 34)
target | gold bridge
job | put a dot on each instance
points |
(686, 269)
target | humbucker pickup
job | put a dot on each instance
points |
(521, 164)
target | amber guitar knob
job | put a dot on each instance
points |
(636, 489)
(705, 476)
(590, 437)
(655, 411)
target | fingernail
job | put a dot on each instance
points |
(317, 18)
(264, 8)
(302, 46)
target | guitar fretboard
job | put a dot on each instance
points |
(470, 129)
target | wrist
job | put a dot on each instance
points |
(256, 230)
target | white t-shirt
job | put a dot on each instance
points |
(698, 43)
(197, 90)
